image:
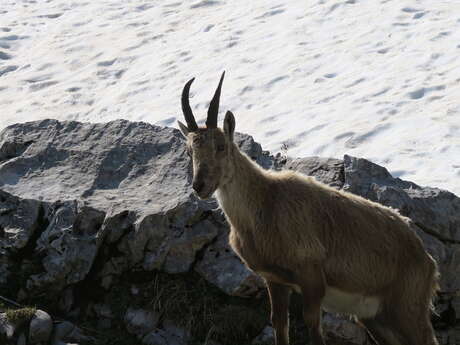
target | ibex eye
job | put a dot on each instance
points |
(220, 147)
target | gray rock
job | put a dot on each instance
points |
(170, 335)
(221, 267)
(119, 187)
(267, 336)
(156, 337)
(7, 329)
(344, 329)
(40, 327)
(176, 331)
(18, 222)
(327, 170)
(146, 165)
(140, 321)
(254, 150)
(448, 337)
(182, 251)
(450, 271)
(67, 332)
(70, 246)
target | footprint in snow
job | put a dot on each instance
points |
(270, 14)
(419, 15)
(41, 86)
(355, 141)
(420, 93)
(174, 4)
(107, 63)
(276, 80)
(356, 82)
(51, 16)
(410, 10)
(205, 3)
(4, 56)
(7, 69)
(144, 7)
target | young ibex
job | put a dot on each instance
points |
(340, 251)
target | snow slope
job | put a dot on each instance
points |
(376, 79)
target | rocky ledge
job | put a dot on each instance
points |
(100, 228)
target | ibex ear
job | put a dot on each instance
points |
(183, 129)
(229, 125)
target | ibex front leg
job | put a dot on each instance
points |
(279, 300)
(313, 289)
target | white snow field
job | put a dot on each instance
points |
(377, 79)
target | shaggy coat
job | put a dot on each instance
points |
(341, 252)
(284, 222)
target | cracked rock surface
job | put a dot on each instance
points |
(89, 205)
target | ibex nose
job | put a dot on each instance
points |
(198, 186)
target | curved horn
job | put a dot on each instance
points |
(213, 110)
(189, 118)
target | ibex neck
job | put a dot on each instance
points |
(243, 194)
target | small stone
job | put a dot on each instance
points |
(65, 332)
(62, 329)
(6, 328)
(140, 321)
(344, 329)
(40, 327)
(267, 336)
(176, 331)
(134, 290)
(326, 170)
(165, 337)
(156, 337)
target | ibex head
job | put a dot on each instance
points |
(208, 146)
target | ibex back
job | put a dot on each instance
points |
(341, 252)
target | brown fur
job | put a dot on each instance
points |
(299, 233)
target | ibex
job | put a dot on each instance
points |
(340, 251)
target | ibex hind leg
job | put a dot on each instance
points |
(409, 313)
(404, 322)
(415, 327)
